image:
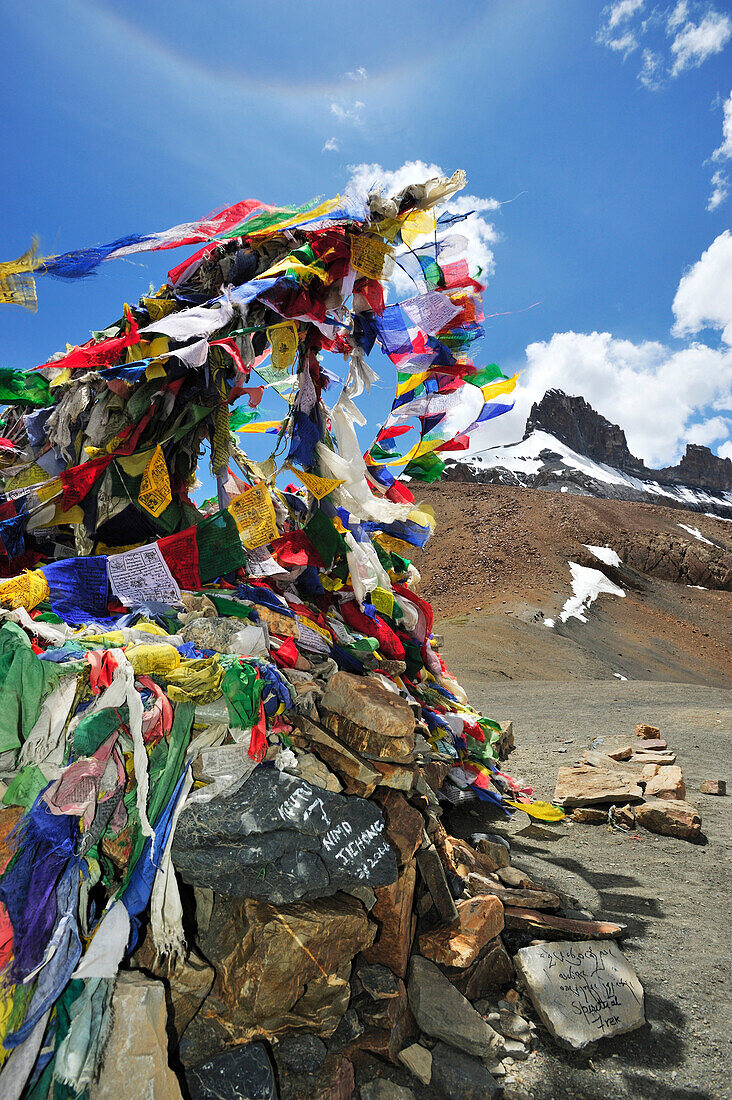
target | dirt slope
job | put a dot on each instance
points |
(497, 568)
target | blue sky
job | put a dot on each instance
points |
(603, 131)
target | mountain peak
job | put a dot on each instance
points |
(574, 422)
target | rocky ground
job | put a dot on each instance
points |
(672, 895)
(497, 568)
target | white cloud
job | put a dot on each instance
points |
(678, 16)
(662, 397)
(332, 145)
(694, 43)
(720, 190)
(652, 391)
(358, 75)
(704, 297)
(683, 36)
(614, 31)
(724, 152)
(480, 234)
(347, 112)
(651, 73)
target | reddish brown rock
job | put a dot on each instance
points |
(713, 786)
(397, 923)
(588, 815)
(654, 744)
(400, 777)
(280, 967)
(649, 770)
(435, 773)
(368, 718)
(546, 926)
(670, 817)
(623, 815)
(649, 733)
(584, 785)
(480, 919)
(667, 783)
(490, 972)
(404, 824)
(623, 753)
(188, 981)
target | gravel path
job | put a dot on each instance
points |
(673, 896)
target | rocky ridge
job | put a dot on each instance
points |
(569, 447)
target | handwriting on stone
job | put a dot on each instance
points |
(583, 991)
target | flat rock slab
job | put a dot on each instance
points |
(280, 839)
(443, 1013)
(583, 991)
(371, 720)
(585, 785)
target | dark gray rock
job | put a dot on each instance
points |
(243, 1073)
(300, 1052)
(279, 839)
(443, 1013)
(457, 1074)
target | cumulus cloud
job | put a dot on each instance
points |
(663, 396)
(615, 29)
(682, 36)
(720, 190)
(332, 145)
(694, 43)
(480, 234)
(654, 392)
(704, 297)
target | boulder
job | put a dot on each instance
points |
(668, 782)
(316, 773)
(585, 785)
(356, 775)
(455, 1074)
(299, 1052)
(383, 1089)
(136, 1054)
(281, 968)
(588, 815)
(494, 851)
(404, 824)
(479, 919)
(714, 786)
(670, 817)
(418, 1060)
(492, 971)
(648, 733)
(369, 719)
(547, 926)
(242, 1073)
(397, 923)
(188, 981)
(443, 1013)
(582, 991)
(280, 839)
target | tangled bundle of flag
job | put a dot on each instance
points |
(138, 629)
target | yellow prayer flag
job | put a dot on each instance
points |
(27, 590)
(505, 385)
(318, 487)
(155, 494)
(368, 255)
(159, 307)
(254, 515)
(283, 339)
(417, 224)
(383, 601)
